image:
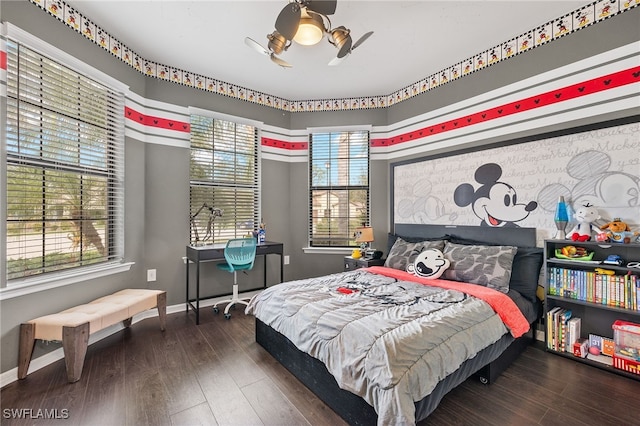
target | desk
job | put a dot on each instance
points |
(215, 252)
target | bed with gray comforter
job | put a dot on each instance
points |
(382, 345)
(385, 339)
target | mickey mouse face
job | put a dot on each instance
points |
(495, 202)
(500, 206)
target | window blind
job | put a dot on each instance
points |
(339, 187)
(64, 174)
(224, 180)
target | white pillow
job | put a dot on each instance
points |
(429, 264)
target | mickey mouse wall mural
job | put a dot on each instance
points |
(495, 202)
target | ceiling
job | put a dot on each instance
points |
(411, 40)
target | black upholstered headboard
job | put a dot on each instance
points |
(521, 237)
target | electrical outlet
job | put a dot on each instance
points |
(286, 260)
(151, 275)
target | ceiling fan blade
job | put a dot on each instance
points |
(256, 46)
(346, 48)
(362, 39)
(324, 7)
(281, 62)
(335, 61)
(288, 20)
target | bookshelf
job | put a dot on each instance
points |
(597, 299)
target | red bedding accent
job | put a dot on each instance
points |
(500, 302)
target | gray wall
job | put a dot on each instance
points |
(156, 182)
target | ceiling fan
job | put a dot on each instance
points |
(306, 22)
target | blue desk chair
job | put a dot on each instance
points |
(240, 254)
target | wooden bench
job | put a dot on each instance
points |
(73, 326)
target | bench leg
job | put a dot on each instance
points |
(162, 310)
(25, 351)
(74, 344)
(127, 322)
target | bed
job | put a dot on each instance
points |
(343, 335)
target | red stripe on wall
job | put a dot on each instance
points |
(3, 60)
(589, 87)
(599, 84)
(152, 121)
(284, 145)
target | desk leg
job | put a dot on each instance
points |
(187, 290)
(264, 278)
(197, 292)
(281, 267)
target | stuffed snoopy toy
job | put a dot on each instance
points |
(429, 264)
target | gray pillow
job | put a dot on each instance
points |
(489, 266)
(403, 252)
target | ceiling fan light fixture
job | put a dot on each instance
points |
(310, 30)
(277, 42)
(339, 36)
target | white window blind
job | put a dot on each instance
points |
(224, 180)
(64, 174)
(339, 187)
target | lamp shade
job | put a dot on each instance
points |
(310, 30)
(364, 235)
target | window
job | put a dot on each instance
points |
(224, 180)
(339, 193)
(64, 167)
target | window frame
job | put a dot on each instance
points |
(257, 172)
(336, 249)
(22, 286)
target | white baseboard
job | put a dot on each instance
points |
(36, 364)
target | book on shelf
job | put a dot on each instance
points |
(551, 327)
(573, 333)
(619, 291)
(559, 329)
(563, 330)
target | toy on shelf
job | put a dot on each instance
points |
(619, 231)
(573, 253)
(613, 259)
(626, 336)
(585, 216)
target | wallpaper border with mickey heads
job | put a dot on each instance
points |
(580, 18)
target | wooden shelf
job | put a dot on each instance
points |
(594, 363)
(596, 318)
(594, 305)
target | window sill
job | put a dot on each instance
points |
(328, 250)
(27, 286)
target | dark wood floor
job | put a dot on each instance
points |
(215, 373)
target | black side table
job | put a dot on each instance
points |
(350, 263)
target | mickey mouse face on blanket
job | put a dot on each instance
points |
(429, 264)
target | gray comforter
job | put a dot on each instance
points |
(388, 341)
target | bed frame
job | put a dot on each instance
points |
(496, 358)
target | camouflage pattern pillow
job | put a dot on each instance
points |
(403, 253)
(489, 266)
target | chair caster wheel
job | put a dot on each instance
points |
(215, 310)
(227, 316)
